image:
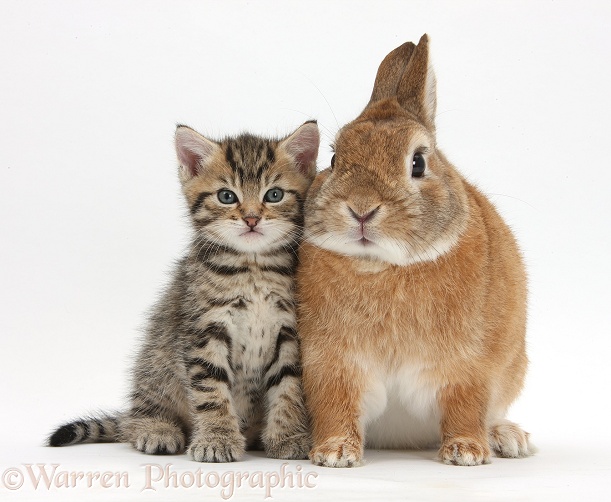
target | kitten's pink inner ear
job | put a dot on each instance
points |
(193, 150)
(303, 145)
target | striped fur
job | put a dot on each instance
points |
(219, 367)
(104, 428)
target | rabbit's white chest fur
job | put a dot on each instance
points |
(400, 411)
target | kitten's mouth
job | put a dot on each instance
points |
(364, 241)
(250, 232)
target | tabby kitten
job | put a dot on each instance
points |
(219, 368)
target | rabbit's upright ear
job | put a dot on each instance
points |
(390, 72)
(416, 90)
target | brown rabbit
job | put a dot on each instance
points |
(411, 290)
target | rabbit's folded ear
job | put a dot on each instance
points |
(416, 90)
(390, 72)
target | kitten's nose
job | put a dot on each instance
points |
(362, 218)
(252, 221)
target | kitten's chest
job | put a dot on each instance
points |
(255, 324)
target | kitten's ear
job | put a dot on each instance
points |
(416, 92)
(193, 151)
(302, 146)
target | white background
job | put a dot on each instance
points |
(91, 217)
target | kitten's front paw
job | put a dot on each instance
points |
(226, 446)
(337, 452)
(464, 451)
(293, 447)
(160, 439)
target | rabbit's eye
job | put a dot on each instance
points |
(333, 161)
(418, 165)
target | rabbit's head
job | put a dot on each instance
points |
(390, 195)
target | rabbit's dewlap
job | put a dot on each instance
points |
(411, 290)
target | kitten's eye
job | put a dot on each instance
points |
(333, 161)
(418, 165)
(274, 195)
(227, 197)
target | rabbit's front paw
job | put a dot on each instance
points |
(337, 452)
(510, 441)
(464, 451)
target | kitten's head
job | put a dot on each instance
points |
(247, 192)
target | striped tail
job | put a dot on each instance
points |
(102, 429)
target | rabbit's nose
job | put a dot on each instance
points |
(362, 218)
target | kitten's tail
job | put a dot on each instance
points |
(100, 429)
